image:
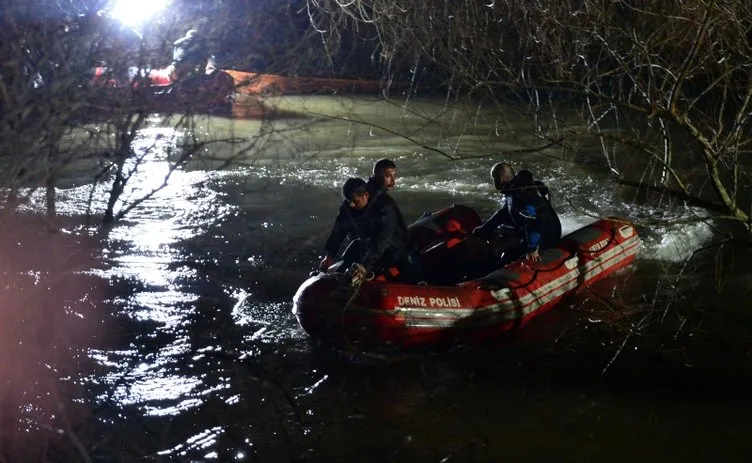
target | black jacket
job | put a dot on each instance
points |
(380, 225)
(387, 242)
(375, 187)
(349, 223)
(542, 190)
(354, 224)
(526, 210)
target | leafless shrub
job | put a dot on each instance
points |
(644, 75)
(72, 93)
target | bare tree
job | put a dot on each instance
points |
(664, 87)
(75, 90)
(76, 107)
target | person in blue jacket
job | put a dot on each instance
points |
(532, 224)
(502, 173)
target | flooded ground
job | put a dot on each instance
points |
(171, 337)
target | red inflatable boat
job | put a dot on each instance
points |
(390, 313)
(224, 92)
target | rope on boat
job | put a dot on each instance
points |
(352, 348)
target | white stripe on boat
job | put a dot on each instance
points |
(508, 308)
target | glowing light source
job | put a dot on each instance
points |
(136, 12)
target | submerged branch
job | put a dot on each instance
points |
(554, 142)
(676, 194)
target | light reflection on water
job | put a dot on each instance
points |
(204, 440)
(210, 355)
(251, 208)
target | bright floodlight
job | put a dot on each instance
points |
(136, 12)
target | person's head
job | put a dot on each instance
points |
(385, 172)
(501, 174)
(355, 193)
(523, 179)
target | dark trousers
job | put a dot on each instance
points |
(507, 249)
(511, 248)
(409, 267)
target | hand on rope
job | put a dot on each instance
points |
(359, 274)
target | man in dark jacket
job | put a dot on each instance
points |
(380, 244)
(351, 219)
(502, 173)
(388, 251)
(351, 222)
(384, 176)
(533, 222)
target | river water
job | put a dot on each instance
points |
(171, 337)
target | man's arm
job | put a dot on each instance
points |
(338, 233)
(542, 190)
(500, 217)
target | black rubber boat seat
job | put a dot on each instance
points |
(497, 279)
(500, 278)
(580, 239)
(553, 254)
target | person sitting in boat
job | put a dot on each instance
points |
(379, 236)
(352, 222)
(531, 220)
(383, 178)
(350, 219)
(388, 252)
(502, 173)
(190, 56)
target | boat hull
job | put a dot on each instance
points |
(389, 313)
(226, 92)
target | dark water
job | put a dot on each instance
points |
(171, 337)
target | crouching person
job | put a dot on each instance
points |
(532, 224)
(352, 223)
(387, 253)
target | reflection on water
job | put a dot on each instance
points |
(51, 312)
(207, 362)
